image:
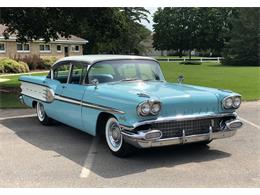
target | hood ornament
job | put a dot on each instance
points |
(180, 79)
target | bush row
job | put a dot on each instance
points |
(36, 63)
(20, 65)
(11, 66)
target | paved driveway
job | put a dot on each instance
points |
(32, 155)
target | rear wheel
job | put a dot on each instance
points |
(41, 114)
(114, 139)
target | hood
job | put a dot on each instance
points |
(176, 99)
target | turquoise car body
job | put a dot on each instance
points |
(120, 99)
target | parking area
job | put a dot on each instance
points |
(32, 155)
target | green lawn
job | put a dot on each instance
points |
(11, 99)
(244, 80)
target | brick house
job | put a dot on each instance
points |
(58, 48)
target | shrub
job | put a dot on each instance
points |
(24, 66)
(34, 62)
(49, 61)
(11, 66)
(190, 63)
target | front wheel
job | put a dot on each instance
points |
(114, 139)
(41, 114)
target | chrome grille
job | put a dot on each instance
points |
(191, 127)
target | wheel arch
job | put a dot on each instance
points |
(34, 103)
(101, 122)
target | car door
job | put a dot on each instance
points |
(72, 94)
(57, 81)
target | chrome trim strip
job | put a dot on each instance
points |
(103, 108)
(89, 105)
(177, 118)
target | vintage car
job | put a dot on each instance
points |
(128, 101)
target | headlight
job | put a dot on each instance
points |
(156, 107)
(231, 102)
(149, 107)
(228, 103)
(236, 102)
(145, 109)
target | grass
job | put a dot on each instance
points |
(243, 79)
(11, 99)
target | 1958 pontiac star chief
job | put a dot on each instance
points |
(127, 99)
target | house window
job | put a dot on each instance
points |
(58, 48)
(23, 47)
(75, 48)
(2, 47)
(45, 48)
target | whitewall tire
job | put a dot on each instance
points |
(114, 139)
(41, 114)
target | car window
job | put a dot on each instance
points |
(148, 72)
(101, 72)
(78, 73)
(125, 70)
(61, 73)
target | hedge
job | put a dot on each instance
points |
(35, 62)
(11, 66)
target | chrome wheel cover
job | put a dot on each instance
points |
(113, 135)
(40, 111)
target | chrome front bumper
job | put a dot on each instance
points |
(138, 139)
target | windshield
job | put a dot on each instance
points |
(125, 70)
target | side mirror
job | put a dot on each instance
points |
(95, 82)
(180, 79)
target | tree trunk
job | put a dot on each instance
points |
(189, 54)
(180, 53)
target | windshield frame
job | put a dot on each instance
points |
(87, 82)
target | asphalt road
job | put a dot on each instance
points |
(32, 155)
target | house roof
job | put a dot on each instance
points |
(70, 39)
(96, 58)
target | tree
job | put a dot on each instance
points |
(190, 28)
(175, 28)
(99, 26)
(243, 47)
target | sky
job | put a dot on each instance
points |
(150, 17)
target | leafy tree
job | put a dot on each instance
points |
(191, 28)
(104, 28)
(243, 47)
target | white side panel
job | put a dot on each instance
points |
(34, 90)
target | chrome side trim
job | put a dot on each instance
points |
(89, 105)
(103, 108)
(177, 118)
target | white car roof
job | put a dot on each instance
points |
(95, 58)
